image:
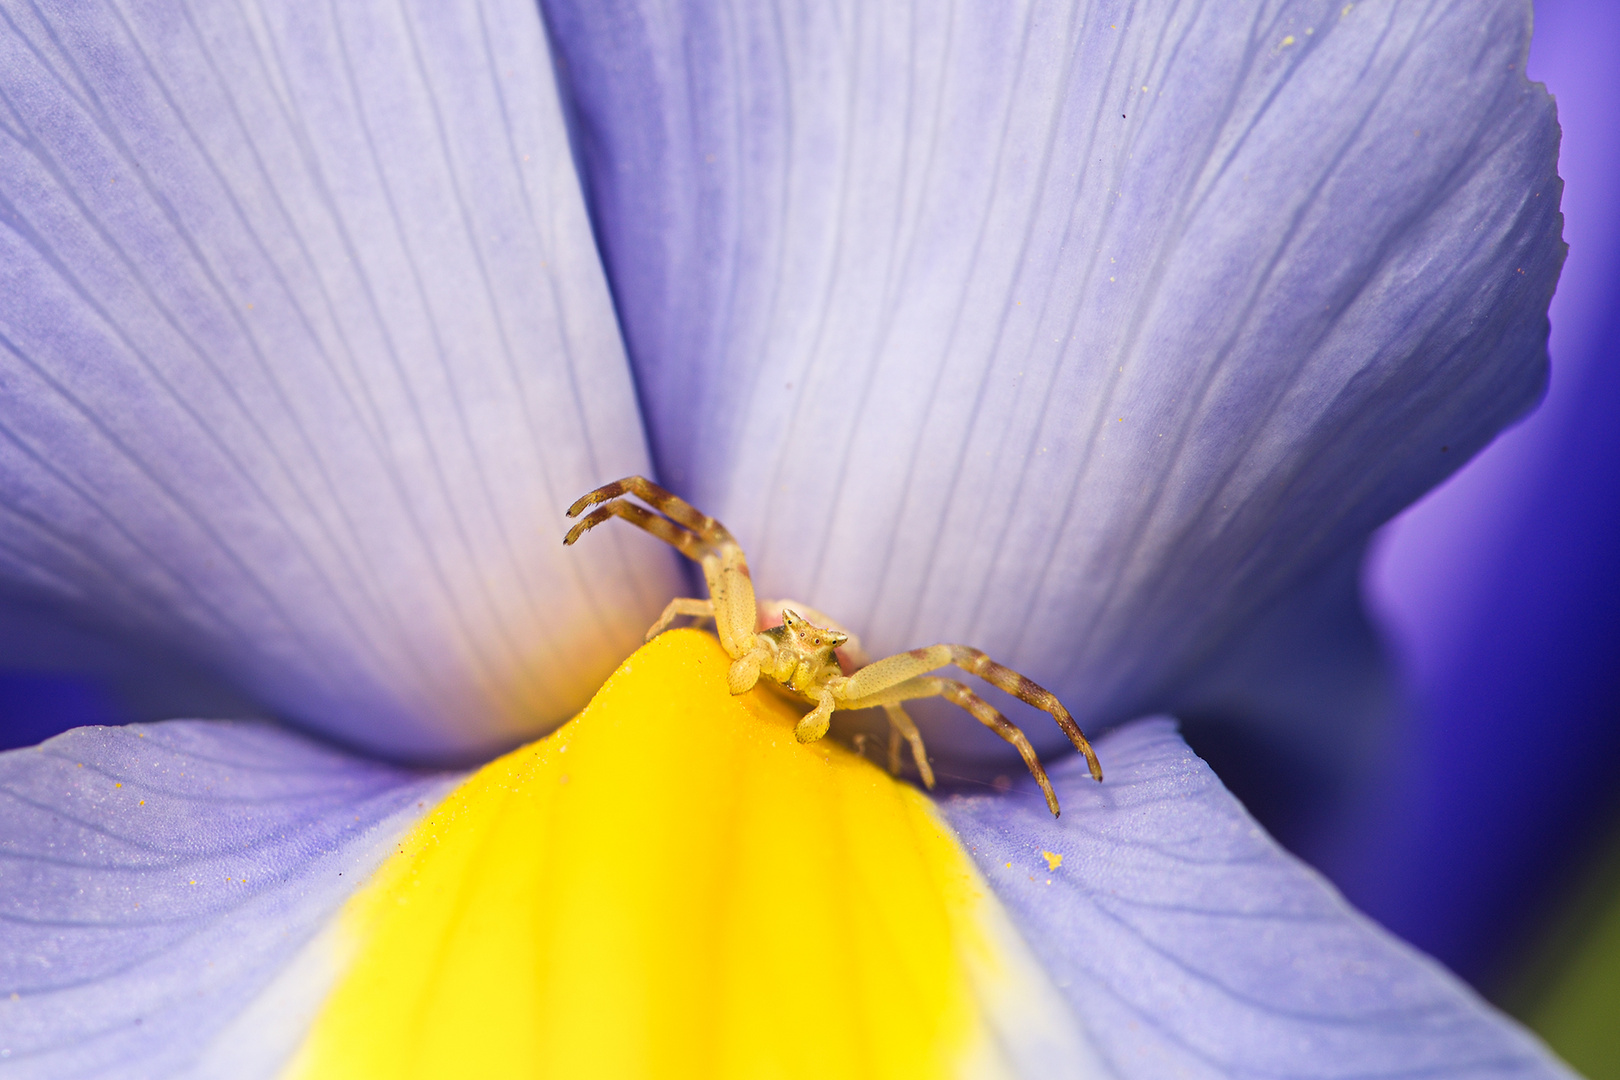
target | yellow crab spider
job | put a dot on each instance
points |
(800, 656)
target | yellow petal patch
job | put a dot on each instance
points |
(671, 885)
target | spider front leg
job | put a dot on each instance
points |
(703, 540)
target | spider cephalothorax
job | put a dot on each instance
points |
(800, 656)
(805, 656)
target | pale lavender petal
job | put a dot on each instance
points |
(1189, 944)
(1083, 332)
(305, 346)
(162, 887)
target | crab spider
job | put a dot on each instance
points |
(801, 654)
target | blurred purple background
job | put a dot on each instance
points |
(1500, 595)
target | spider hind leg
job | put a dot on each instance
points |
(901, 727)
(923, 686)
(681, 605)
(876, 680)
(1026, 690)
(985, 713)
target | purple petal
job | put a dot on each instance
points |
(155, 879)
(1190, 944)
(305, 346)
(1083, 333)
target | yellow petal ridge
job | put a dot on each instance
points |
(669, 885)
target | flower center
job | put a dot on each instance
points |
(670, 884)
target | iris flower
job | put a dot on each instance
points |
(1099, 336)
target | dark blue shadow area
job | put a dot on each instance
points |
(35, 706)
(60, 670)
